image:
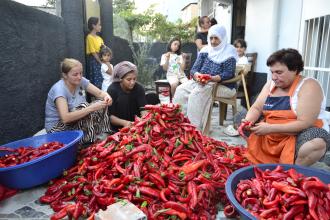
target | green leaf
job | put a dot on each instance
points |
(207, 175)
(87, 192)
(107, 145)
(129, 147)
(162, 210)
(182, 175)
(177, 142)
(137, 194)
(94, 159)
(147, 129)
(144, 204)
(73, 191)
(155, 152)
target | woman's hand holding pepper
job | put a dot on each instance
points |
(202, 78)
(244, 126)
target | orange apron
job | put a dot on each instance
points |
(275, 148)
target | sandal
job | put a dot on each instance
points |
(230, 131)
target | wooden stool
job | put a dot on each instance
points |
(163, 83)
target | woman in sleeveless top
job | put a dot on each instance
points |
(294, 126)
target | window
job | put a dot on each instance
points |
(316, 52)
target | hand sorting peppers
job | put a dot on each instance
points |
(162, 164)
(25, 154)
(278, 194)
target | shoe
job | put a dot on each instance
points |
(230, 131)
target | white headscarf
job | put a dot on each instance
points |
(223, 51)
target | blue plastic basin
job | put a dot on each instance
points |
(45, 168)
(248, 173)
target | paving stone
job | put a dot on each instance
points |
(28, 212)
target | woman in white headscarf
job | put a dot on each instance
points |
(218, 59)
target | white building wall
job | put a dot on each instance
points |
(289, 23)
(261, 30)
(276, 24)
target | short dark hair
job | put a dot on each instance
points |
(213, 21)
(241, 42)
(201, 20)
(289, 57)
(178, 52)
(104, 50)
(92, 21)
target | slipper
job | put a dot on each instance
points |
(230, 131)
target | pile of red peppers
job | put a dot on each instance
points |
(279, 194)
(161, 163)
(25, 154)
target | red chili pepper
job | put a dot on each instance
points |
(149, 191)
(312, 202)
(171, 212)
(79, 209)
(143, 147)
(230, 211)
(314, 183)
(163, 194)
(50, 198)
(242, 127)
(273, 203)
(192, 167)
(157, 179)
(192, 190)
(176, 206)
(288, 189)
(266, 214)
(295, 210)
(252, 204)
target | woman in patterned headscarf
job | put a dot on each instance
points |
(127, 94)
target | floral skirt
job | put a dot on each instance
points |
(93, 72)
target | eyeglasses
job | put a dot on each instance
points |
(239, 46)
(216, 38)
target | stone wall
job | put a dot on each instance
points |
(32, 43)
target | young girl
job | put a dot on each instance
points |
(93, 45)
(106, 67)
(240, 46)
(173, 63)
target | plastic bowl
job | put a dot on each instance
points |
(45, 168)
(248, 173)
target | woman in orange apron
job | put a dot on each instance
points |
(292, 130)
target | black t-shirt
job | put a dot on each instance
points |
(202, 36)
(126, 105)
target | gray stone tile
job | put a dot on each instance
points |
(9, 216)
(28, 212)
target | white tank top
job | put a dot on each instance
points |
(324, 115)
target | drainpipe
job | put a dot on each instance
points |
(106, 14)
(275, 25)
